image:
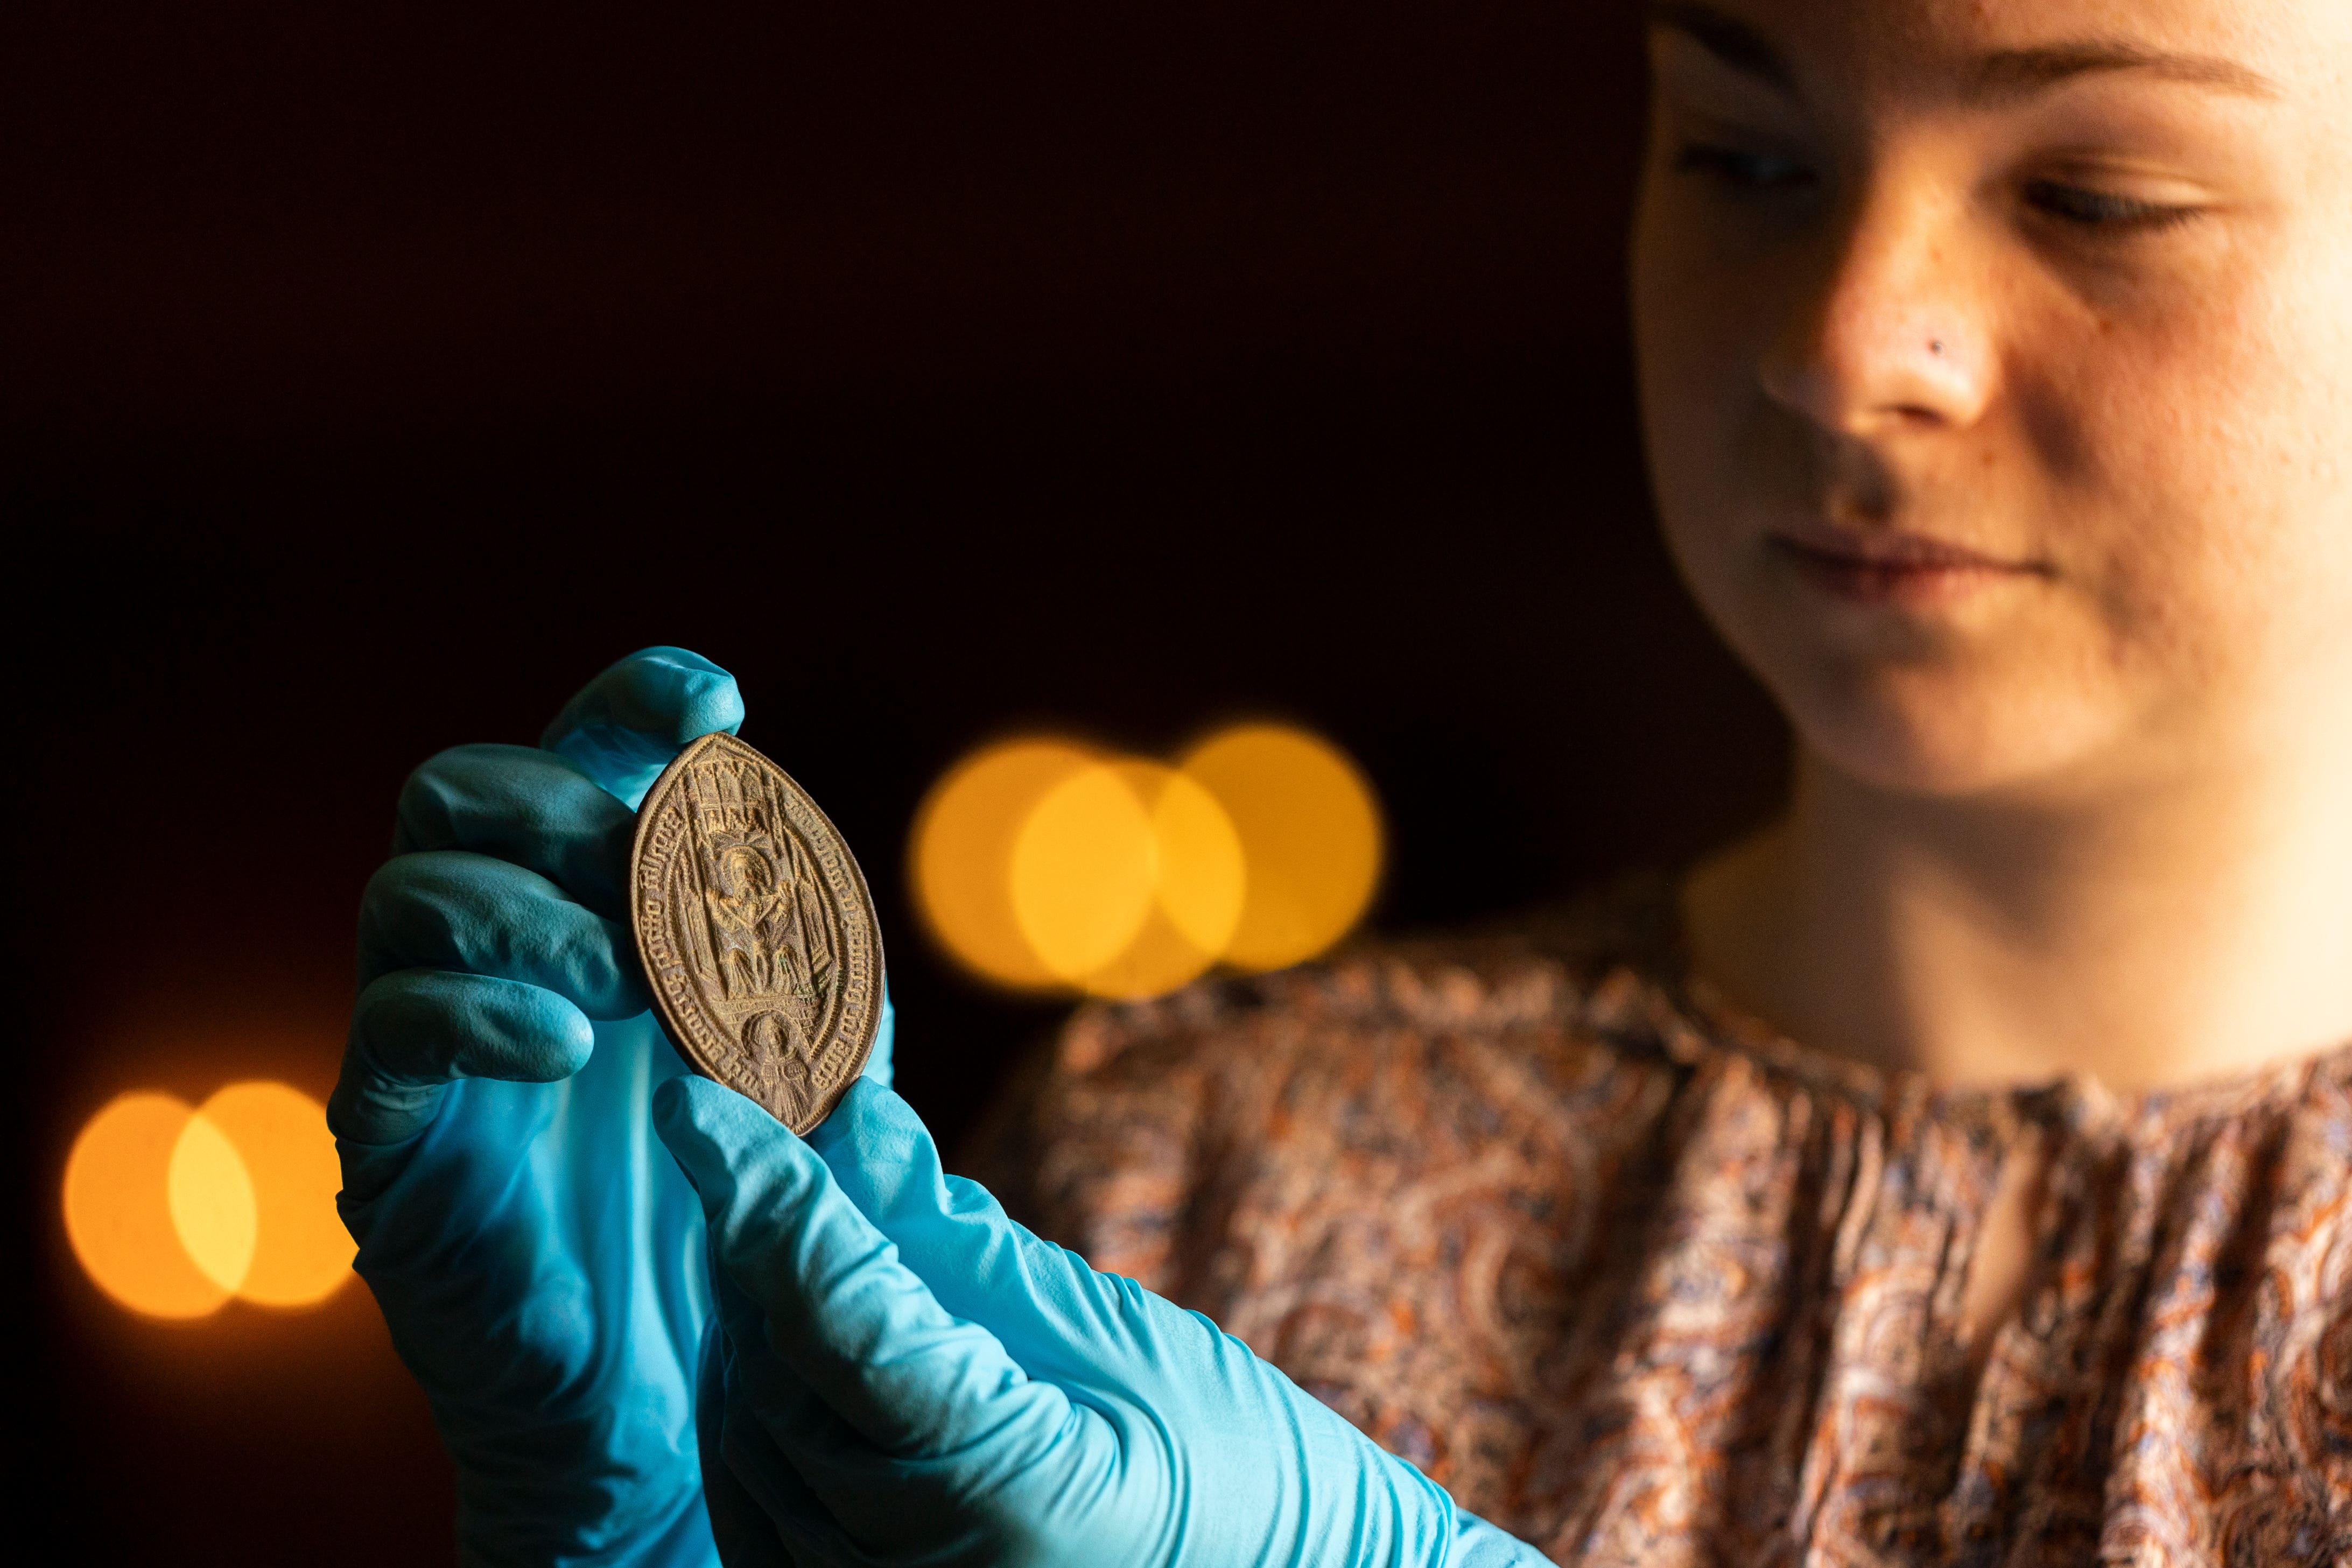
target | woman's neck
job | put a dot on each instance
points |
(2147, 936)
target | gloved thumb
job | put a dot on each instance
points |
(623, 726)
(730, 1150)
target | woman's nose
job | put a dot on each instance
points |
(1891, 330)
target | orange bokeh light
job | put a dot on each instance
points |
(1042, 863)
(116, 1213)
(961, 856)
(209, 1194)
(174, 1210)
(301, 1252)
(1083, 871)
(1126, 879)
(1310, 830)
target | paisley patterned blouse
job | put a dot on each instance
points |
(1645, 1284)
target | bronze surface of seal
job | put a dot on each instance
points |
(757, 931)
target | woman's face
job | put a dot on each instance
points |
(1996, 363)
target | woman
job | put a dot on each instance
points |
(1955, 1172)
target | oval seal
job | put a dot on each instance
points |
(756, 929)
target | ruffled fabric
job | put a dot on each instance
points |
(1644, 1283)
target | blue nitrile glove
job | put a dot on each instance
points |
(899, 1374)
(538, 1261)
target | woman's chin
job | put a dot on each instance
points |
(1948, 744)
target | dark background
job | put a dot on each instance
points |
(371, 374)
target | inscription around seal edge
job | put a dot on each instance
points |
(756, 930)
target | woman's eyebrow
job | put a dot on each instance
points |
(2019, 73)
(1728, 38)
(2006, 75)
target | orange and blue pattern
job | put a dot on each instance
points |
(1642, 1283)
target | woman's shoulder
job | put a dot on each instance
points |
(1536, 1031)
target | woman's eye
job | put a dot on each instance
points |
(2102, 209)
(1739, 167)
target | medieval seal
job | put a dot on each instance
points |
(757, 931)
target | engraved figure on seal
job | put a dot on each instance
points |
(767, 939)
(757, 929)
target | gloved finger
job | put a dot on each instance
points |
(746, 1523)
(803, 1471)
(449, 909)
(414, 1030)
(832, 1496)
(835, 1305)
(523, 805)
(1057, 1317)
(881, 1064)
(623, 726)
(787, 1521)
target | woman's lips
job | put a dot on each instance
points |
(1909, 569)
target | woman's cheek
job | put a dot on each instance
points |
(2218, 523)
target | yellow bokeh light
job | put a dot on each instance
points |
(1310, 833)
(1041, 863)
(1195, 894)
(211, 1200)
(301, 1252)
(116, 1215)
(1204, 877)
(1084, 872)
(962, 853)
(172, 1210)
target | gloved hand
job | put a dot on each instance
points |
(900, 1374)
(540, 1263)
